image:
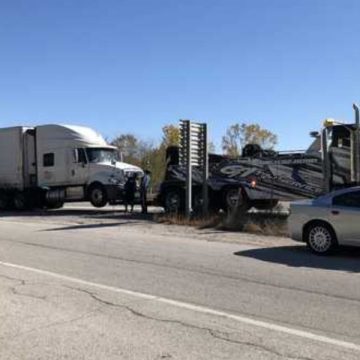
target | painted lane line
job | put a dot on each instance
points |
(195, 308)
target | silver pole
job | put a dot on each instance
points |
(205, 156)
(357, 144)
(188, 202)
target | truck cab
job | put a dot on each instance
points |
(63, 163)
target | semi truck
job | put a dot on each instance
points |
(261, 178)
(48, 165)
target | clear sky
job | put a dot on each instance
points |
(135, 65)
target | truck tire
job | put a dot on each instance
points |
(233, 198)
(97, 195)
(20, 201)
(174, 201)
(4, 201)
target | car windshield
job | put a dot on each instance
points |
(98, 155)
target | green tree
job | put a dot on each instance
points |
(171, 136)
(145, 154)
(239, 135)
(128, 146)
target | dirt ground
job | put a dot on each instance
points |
(81, 215)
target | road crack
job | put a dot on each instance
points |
(55, 323)
(219, 335)
(16, 292)
(21, 281)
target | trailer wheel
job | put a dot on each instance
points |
(174, 201)
(97, 195)
(233, 199)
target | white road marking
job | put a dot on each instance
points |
(192, 307)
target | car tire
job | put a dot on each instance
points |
(97, 195)
(320, 238)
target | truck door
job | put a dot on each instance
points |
(79, 167)
(340, 156)
(30, 176)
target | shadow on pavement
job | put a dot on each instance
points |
(81, 213)
(344, 259)
(92, 226)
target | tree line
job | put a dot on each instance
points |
(152, 156)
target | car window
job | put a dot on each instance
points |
(350, 199)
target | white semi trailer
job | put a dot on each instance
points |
(51, 164)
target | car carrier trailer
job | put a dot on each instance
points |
(261, 178)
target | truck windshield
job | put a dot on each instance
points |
(98, 155)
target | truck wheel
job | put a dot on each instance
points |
(19, 201)
(233, 199)
(4, 202)
(97, 195)
(174, 201)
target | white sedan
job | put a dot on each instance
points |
(328, 221)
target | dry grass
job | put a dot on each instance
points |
(266, 223)
(198, 222)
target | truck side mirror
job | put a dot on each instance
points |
(314, 134)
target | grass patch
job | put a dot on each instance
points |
(199, 222)
(262, 223)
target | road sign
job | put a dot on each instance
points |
(194, 152)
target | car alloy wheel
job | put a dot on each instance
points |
(320, 239)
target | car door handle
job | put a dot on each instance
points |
(335, 212)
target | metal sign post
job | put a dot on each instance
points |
(205, 171)
(193, 152)
(356, 146)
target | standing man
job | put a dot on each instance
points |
(130, 189)
(144, 187)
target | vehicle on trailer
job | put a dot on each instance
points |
(327, 221)
(261, 178)
(48, 165)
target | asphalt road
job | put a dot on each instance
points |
(122, 287)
